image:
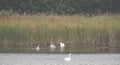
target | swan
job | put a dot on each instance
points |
(68, 59)
(37, 48)
(62, 44)
(52, 45)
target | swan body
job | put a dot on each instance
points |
(52, 46)
(62, 44)
(68, 59)
(37, 48)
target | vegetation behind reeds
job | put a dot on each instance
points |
(43, 28)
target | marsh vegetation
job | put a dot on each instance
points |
(100, 30)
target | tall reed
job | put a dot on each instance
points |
(43, 28)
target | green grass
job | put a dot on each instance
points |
(75, 29)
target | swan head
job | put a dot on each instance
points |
(38, 45)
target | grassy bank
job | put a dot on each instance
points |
(26, 29)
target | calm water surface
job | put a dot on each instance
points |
(68, 49)
(58, 59)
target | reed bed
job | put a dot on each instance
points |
(72, 29)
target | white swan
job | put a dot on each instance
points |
(52, 45)
(68, 59)
(37, 48)
(62, 44)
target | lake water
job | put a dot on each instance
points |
(58, 59)
(75, 48)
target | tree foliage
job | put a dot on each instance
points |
(61, 6)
